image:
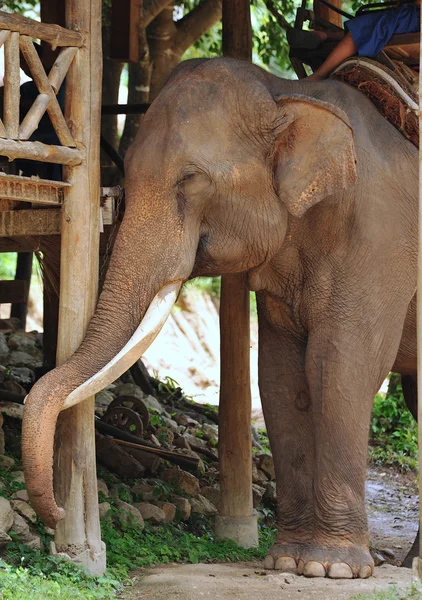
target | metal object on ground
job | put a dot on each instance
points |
(125, 419)
(133, 403)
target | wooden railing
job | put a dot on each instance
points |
(16, 35)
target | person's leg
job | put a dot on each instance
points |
(345, 49)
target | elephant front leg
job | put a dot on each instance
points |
(286, 405)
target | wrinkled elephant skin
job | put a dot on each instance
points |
(313, 193)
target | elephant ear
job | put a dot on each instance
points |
(314, 154)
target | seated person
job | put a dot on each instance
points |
(366, 35)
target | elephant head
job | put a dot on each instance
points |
(218, 165)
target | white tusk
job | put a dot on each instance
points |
(147, 331)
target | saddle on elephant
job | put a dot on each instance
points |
(393, 92)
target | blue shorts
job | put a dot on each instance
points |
(372, 31)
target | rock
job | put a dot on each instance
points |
(134, 511)
(103, 399)
(193, 454)
(14, 387)
(119, 489)
(22, 375)
(13, 410)
(257, 493)
(388, 553)
(102, 487)
(4, 348)
(104, 507)
(49, 531)
(145, 491)
(203, 506)
(2, 443)
(165, 435)
(186, 421)
(24, 342)
(6, 463)
(153, 404)
(182, 480)
(21, 495)
(183, 505)
(155, 440)
(258, 476)
(35, 542)
(266, 464)
(212, 493)
(23, 359)
(18, 477)
(168, 508)
(129, 389)
(4, 538)
(151, 512)
(210, 431)
(24, 510)
(20, 527)
(378, 559)
(171, 424)
(12, 324)
(270, 491)
(181, 442)
(6, 515)
(3, 372)
(196, 441)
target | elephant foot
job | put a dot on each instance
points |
(310, 560)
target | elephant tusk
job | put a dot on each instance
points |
(145, 334)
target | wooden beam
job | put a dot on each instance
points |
(328, 14)
(11, 85)
(78, 534)
(13, 291)
(53, 34)
(125, 20)
(30, 222)
(236, 520)
(31, 189)
(41, 152)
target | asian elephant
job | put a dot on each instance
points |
(307, 188)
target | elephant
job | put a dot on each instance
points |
(310, 191)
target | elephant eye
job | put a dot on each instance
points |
(186, 177)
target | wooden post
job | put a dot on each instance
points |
(236, 520)
(327, 13)
(78, 535)
(417, 564)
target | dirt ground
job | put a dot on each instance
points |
(392, 506)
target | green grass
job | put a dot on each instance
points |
(413, 593)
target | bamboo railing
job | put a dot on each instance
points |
(16, 35)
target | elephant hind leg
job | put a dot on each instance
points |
(410, 393)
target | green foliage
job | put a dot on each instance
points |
(393, 432)
(412, 593)
(26, 7)
(8, 265)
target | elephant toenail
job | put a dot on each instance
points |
(313, 569)
(340, 571)
(285, 564)
(269, 562)
(300, 566)
(365, 572)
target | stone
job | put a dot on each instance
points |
(24, 510)
(4, 348)
(186, 421)
(193, 454)
(145, 491)
(155, 440)
(103, 488)
(258, 476)
(117, 490)
(14, 387)
(18, 477)
(182, 480)
(266, 464)
(196, 441)
(6, 463)
(165, 435)
(378, 559)
(21, 495)
(181, 442)
(212, 493)
(24, 342)
(133, 511)
(20, 527)
(4, 538)
(102, 400)
(203, 506)
(2, 440)
(13, 410)
(23, 359)
(49, 531)
(22, 375)
(270, 491)
(183, 505)
(153, 404)
(103, 508)
(257, 494)
(151, 512)
(35, 542)
(210, 431)
(168, 508)
(6, 515)
(13, 324)
(171, 424)
(3, 372)
(128, 389)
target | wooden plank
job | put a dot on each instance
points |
(323, 12)
(14, 291)
(41, 152)
(31, 189)
(125, 19)
(53, 34)
(11, 85)
(79, 534)
(30, 222)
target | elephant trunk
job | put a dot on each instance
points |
(135, 302)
